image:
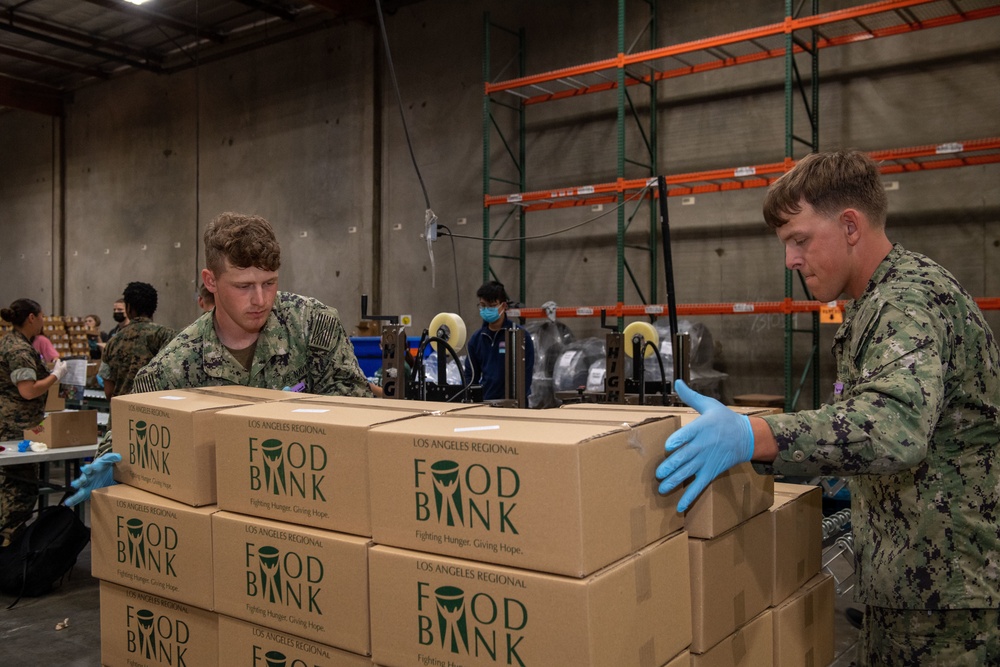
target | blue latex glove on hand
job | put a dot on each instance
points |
(707, 447)
(95, 475)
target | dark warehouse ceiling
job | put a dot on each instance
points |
(50, 48)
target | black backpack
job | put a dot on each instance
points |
(42, 553)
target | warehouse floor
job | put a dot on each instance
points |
(28, 634)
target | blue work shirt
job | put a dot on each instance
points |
(487, 354)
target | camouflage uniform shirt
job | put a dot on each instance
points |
(918, 428)
(19, 362)
(302, 341)
(134, 347)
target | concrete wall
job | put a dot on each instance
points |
(290, 132)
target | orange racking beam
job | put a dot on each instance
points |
(742, 36)
(785, 307)
(948, 155)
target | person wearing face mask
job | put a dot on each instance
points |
(121, 317)
(487, 346)
(24, 383)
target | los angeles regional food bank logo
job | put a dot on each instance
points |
(473, 497)
(148, 445)
(158, 637)
(473, 624)
(293, 470)
(147, 545)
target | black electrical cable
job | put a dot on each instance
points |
(454, 259)
(399, 99)
(454, 355)
(663, 376)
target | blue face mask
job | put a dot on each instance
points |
(491, 314)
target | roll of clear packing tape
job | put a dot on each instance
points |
(450, 327)
(647, 331)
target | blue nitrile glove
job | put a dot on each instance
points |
(707, 447)
(95, 475)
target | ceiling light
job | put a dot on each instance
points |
(136, 2)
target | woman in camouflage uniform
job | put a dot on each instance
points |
(24, 383)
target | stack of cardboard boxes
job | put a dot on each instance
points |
(256, 527)
(757, 596)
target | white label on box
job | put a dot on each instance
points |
(173, 398)
(311, 410)
(491, 427)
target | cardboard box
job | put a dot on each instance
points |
(429, 609)
(68, 428)
(752, 645)
(682, 660)
(306, 582)
(243, 644)
(167, 442)
(53, 401)
(803, 625)
(797, 515)
(300, 462)
(143, 630)
(731, 580)
(561, 497)
(731, 498)
(152, 544)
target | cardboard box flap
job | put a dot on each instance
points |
(424, 407)
(595, 417)
(317, 414)
(179, 400)
(502, 430)
(245, 393)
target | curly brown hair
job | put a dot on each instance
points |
(245, 240)
(829, 182)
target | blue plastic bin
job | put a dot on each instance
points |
(369, 352)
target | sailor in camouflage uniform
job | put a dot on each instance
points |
(24, 385)
(136, 344)
(915, 423)
(255, 336)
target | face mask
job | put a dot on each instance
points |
(491, 314)
(119, 317)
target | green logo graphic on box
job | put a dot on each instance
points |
(293, 469)
(473, 624)
(284, 578)
(148, 443)
(262, 657)
(152, 636)
(476, 496)
(147, 545)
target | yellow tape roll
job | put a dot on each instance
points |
(449, 326)
(646, 330)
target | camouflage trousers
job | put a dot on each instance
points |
(17, 498)
(922, 638)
